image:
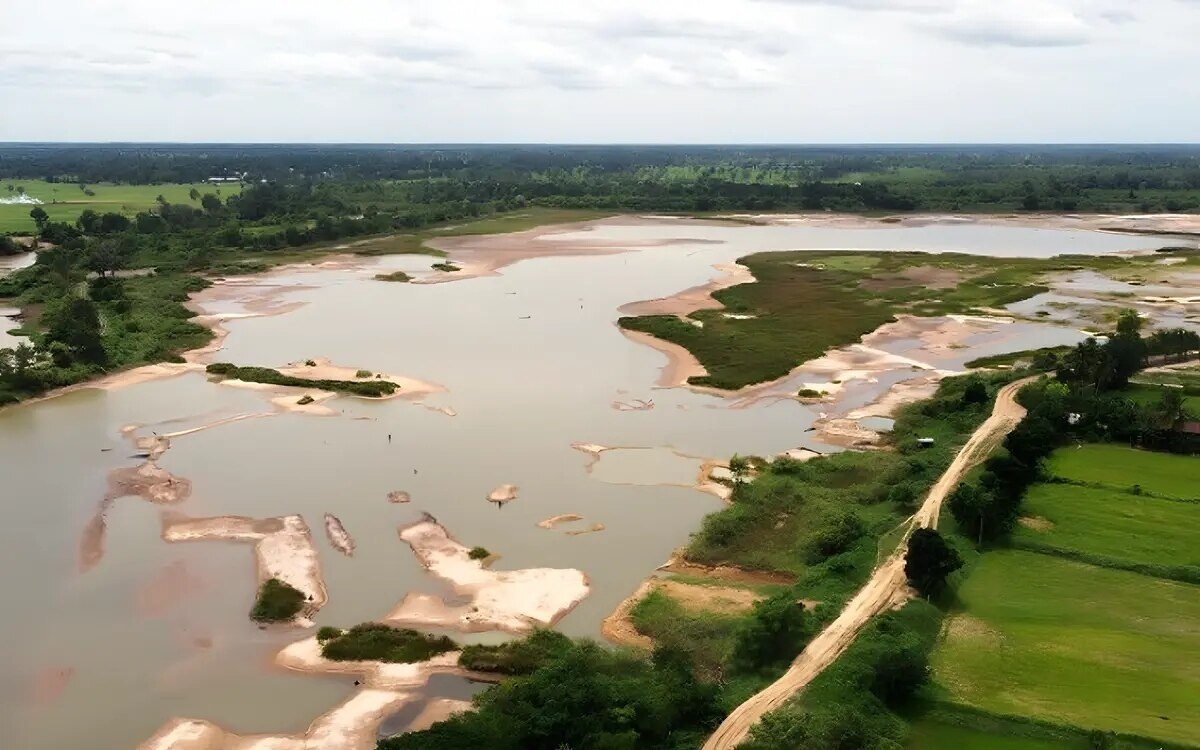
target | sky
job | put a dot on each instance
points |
(585, 71)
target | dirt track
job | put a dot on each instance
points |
(886, 587)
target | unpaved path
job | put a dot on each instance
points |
(886, 587)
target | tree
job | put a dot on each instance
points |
(89, 221)
(774, 632)
(106, 257)
(929, 561)
(975, 392)
(9, 246)
(40, 217)
(194, 194)
(76, 323)
(211, 204)
(739, 467)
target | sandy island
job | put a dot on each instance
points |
(515, 601)
(503, 494)
(283, 549)
(339, 538)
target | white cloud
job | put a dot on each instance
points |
(598, 70)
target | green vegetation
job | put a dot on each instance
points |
(518, 657)
(1056, 639)
(585, 697)
(446, 267)
(1043, 360)
(851, 294)
(1123, 468)
(374, 641)
(479, 553)
(855, 702)
(66, 202)
(363, 373)
(706, 637)
(820, 520)
(931, 734)
(1113, 528)
(277, 602)
(370, 388)
(393, 276)
(929, 561)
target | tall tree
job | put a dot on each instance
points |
(929, 561)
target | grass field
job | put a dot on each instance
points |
(931, 734)
(1144, 393)
(65, 201)
(1075, 644)
(1114, 524)
(1121, 468)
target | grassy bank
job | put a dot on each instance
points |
(851, 294)
(378, 642)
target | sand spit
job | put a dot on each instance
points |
(592, 450)
(681, 364)
(283, 549)
(1184, 224)
(398, 496)
(485, 255)
(339, 538)
(505, 493)
(515, 601)
(150, 482)
(589, 530)
(707, 480)
(618, 627)
(436, 710)
(552, 521)
(694, 299)
(636, 404)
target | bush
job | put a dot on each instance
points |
(516, 657)
(373, 641)
(393, 276)
(363, 374)
(774, 633)
(371, 389)
(446, 267)
(305, 400)
(929, 561)
(328, 633)
(478, 553)
(277, 602)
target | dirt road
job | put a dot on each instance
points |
(886, 587)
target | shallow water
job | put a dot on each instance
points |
(532, 362)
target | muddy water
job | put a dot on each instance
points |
(532, 363)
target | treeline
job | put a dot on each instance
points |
(679, 178)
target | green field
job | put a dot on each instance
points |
(65, 201)
(1075, 644)
(1128, 528)
(931, 734)
(1120, 467)
(1144, 393)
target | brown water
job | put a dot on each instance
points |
(532, 362)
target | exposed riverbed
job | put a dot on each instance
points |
(530, 362)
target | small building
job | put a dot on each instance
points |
(925, 442)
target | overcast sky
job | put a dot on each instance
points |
(673, 71)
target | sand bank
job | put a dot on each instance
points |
(515, 601)
(339, 538)
(283, 549)
(552, 521)
(695, 298)
(618, 627)
(503, 494)
(398, 496)
(681, 364)
(436, 710)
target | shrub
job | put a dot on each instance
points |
(516, 657)
(478, 553)
(327, 633)
(810, 393)
(393, 276)
(372, 389)
(444, 266)
(277, 602)
(305, 400)
(363, 374)
(372, 641)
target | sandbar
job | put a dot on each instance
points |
(283, 549)
(339, 538)
(503, 494)
(514, 601)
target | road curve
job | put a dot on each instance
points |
(886, 587)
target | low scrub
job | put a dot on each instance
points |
(277, 602)
(516, 657)
(370, 388)
(374, 641)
